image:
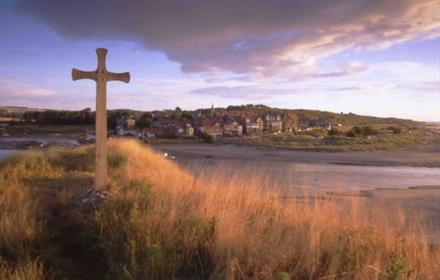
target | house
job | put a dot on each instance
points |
(325, 123)
(232, 128)
(183, 129)
(189, 130)
(273, 122)
(211, 127)
(125, 126)
(254, 125)
(131, 123)
(307, 124)
(303, 124)
(290, 122)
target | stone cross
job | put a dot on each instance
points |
(101, 76)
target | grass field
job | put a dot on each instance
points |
(319, 140)
(159, 222)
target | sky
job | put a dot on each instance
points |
(378, 58)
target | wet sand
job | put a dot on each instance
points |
(313, 170)
(428, 156)
(23, 142)
(4, 154)
(403, 179)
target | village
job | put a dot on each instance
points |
(249, 125)
(214, 123)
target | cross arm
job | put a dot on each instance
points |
(78, 74)
(123, 77)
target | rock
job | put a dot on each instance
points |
(91, 197)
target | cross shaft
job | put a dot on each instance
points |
(101, 76)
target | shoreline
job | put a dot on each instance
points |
(423, 156)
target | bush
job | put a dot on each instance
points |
(317, 132)
(368, 130)
(395, 129)
(334, 132)
(357, 131)
(351, 133)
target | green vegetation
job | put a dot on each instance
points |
(350, 132)
(345, 119)
(56, 117)
(159, 222)
(146, 120)
(363, 131)
(357, 138)
(351, 119)
(86, 116)
(65, 130)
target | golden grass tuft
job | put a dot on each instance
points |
(161, 222)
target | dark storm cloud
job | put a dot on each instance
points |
(266, 37)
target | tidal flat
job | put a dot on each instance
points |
(408, 180)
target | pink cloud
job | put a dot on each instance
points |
(12, 90)
(268, 38)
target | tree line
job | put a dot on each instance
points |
(87, 117)
(60, 117)
(55, 117)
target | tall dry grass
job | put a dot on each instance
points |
(160, 222)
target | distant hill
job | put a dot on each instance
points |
(350, 118)
(130, 112)
(19, 109)
(335, 118)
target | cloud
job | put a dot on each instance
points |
(366, 87)
(346, 70)
(423, 86)
(266, 38)
(348, 88)
(12, 90)
(255, 92)
(246, 93)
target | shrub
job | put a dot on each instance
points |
(351, 133)
(357, 131)
(316, 132)
(368, 130)
(395, 129)
(334, 132)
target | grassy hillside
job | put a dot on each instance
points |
(335, 118)
(159, 222)
(350, 118)
(320, 140)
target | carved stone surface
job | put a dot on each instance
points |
(101, 76)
